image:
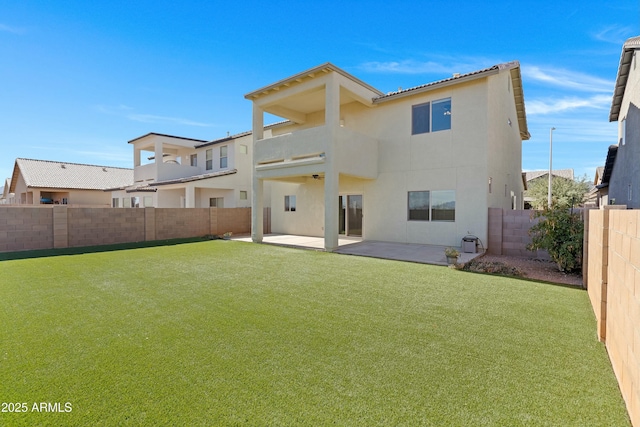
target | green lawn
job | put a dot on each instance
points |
(230, 333)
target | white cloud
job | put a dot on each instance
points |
(537, 106)
(444, 65)
(127, 112)
(615, 34)
(150, 118)
(13, 30)
(405, 67)
(567, 79)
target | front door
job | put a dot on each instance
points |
(350, 215)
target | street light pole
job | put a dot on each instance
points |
(550, 160)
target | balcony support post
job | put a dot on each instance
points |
(331, 177)
(257, 193)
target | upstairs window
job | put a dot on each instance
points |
(431, 116)
(223, 156)
(194, 159)
(209, 159)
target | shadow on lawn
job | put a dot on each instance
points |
(6, 256)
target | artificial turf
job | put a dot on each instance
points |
(232, 333)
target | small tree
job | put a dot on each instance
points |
(560, 232)
(564, 191)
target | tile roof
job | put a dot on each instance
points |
(194, 177)
(167, 136)
(562, 173)
(225, 139)
(51, 174)
(455, 79)
(612, 153)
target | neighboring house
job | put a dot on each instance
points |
(421, 165)
(532, 177)
(624, 175)
(603, 187)
(36, 182)
(596, 195)
(171, 171)
(6, 197)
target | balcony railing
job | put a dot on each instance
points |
(356, 154)
(163, 171)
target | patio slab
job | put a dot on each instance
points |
(426, 254)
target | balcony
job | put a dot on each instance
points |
(164, 171)
(305, 151)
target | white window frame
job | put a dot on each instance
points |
(224, 157)
(415, 109)
(290, 203)
(209, 159)
(432, 196)
(216, 202)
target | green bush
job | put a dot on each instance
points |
(559, 231)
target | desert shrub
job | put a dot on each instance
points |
(560, 232)
(493, 267)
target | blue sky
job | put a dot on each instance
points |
(79, 79)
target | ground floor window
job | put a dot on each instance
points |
(437, 205)
(216, 202)
(289, 203)
(115, 202)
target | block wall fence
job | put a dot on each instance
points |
(509, 232)
(52, 227)
(612, 278)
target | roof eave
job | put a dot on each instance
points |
(628, 49)
(323, 68)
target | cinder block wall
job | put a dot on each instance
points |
(509, 232)
(179, 223)
(614, 291)
(25, 228)
(104, 226)
(48, 227)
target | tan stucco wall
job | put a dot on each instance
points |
(504, 160)
(478, 145)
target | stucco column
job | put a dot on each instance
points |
(257, 208)
(136, 156)
(331, 175)
(189, 197)
(158, 152)
(257, 186)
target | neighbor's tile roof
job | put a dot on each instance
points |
(50, 174)
(562, 173)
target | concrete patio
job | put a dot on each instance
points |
(426, 254)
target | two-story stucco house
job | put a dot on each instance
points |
(622, 171)
(173, 172)
(420, 165)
